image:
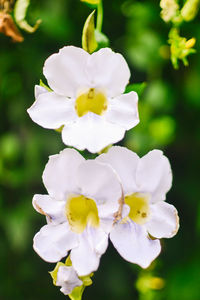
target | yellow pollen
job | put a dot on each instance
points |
(139, 207)
(80, 212)
(91, 101)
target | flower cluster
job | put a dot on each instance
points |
(117, 196)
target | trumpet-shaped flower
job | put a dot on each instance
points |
(145, 182)
(87, 98)
(66, 277)
(83, 197)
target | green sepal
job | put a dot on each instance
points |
(89, 42)
(68, 262)
(102, 39)
(55, 272)
(105, 150)
(20, 10)
(78, 291)
(59, 129)
(45, 86)
(136, 87)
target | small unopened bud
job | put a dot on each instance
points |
(190, 9)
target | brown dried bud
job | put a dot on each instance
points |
(8, 27)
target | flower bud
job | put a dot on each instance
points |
(190, 10)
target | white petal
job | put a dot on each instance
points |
(59, 175)
(124, 162)
(99, 182)
(108, 70)
(52, 209)
(52, 111)
(85, 258)
(154, 175)
(66, 71)
(123, 110)
(67, 279)
(132, 243)
(39, 90)
(164, 221)
(53, 242)
(92, 132)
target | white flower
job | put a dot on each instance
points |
(145, 182)
(83, 197)
(87, 98)
(68, 279)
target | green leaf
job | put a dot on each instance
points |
(89, 42)
(20, 11)
(136, 87)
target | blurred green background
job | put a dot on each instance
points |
(169, 112)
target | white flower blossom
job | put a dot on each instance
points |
(68, 279)
(83, 197)
(145, 182)
(87, 98)
(65, 276)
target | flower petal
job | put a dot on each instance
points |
(85, 258)
(132, 243)
(53, 242)
(123, 110)
(125, 163)
(67, 279)
(59, 175)
(92, 132)
(99, 182)
(154, 175)
(52, 209)
(39, 90)
(164, 221)
(107, 223)
(108, 70)
(52, 111)
(65, 70)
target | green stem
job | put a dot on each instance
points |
(100, 16)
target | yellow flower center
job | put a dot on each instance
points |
(139, 207)
(92, 100)
(80, 212)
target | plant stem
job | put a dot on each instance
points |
(100, 16)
